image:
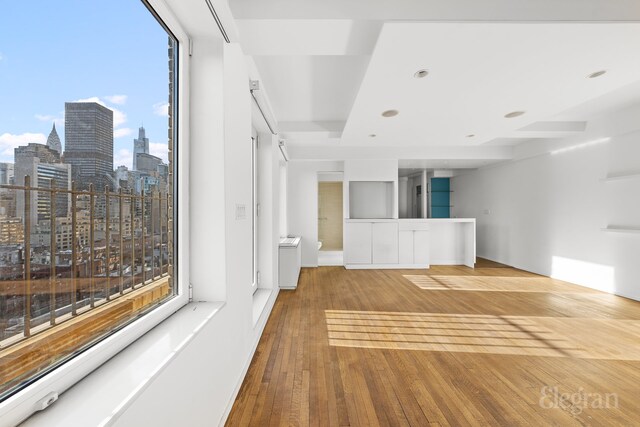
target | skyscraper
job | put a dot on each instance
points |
(53, 141)
(7, 196)
(43, 165)
(140, 146)
(89, 143)
(147, 163)
(6, 173)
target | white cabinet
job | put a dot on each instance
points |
(289, 259)
(385, 243)
(372, 243)
(421, 247)
(357, 242)
(413, 245)
(409, 243)
(405, 247)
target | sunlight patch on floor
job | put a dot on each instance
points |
(488, 334)
(493, 284)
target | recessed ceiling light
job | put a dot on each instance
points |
(513, 114)
(597, 74)
(390, 113)
(421, 73)
(373, 135)
(470, 135)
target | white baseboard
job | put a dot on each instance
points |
(448, 261)
(385, 267)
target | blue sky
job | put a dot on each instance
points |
(68, 50)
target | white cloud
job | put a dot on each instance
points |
(159, 150)
(161, 109)
(44, 117)
(1, 57)
(117, 99)
(9, 141)
(92, 99)
(119, 118)
(59, 121)
(122, 132)
(123, 157)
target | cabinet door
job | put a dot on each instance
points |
(385, 242)
(357, 243)
(405, 247)
(421, 247)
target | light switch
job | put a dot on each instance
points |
(241, 212)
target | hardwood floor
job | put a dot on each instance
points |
(448, 346)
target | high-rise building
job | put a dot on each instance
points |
(30, 151)
(6, 173)
(140, 146)
(43, 165)
(7, 196)
(53, 141)
(11, 231)
(89, 144)
(147, 163)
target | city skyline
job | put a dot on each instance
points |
(86, 69)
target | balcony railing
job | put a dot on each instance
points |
(107, 245)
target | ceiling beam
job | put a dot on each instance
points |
(308, 37)
(438, 10)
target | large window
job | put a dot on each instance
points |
(87, 178)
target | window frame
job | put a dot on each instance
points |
(255, 207)
(19, 406)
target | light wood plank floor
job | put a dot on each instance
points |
(449, 346)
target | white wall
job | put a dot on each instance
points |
(208, 101)
(545, 213)
(371, 199)
(330, 177)
(403, 197)
(371, 170)
(411, 195)
(198, 387)
(269, 218)
(302, 202)
(284, 226)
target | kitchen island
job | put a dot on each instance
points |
(409, 243)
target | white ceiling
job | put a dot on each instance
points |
(409, 167)
(330, 68)
(480, 72)
(439, 10)
(311, 88)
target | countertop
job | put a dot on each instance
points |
(431, 220)
(289, 242)
(437, 219)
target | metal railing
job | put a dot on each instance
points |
(98, 251)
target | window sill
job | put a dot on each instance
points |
(104, 395)
(260, 300)
(68, 334)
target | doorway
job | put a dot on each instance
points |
(330, 222)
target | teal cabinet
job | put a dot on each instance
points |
(440, 198)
